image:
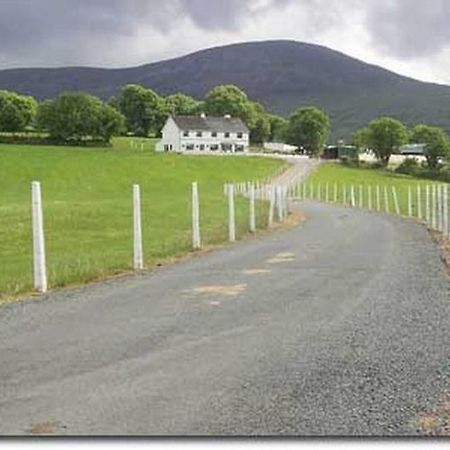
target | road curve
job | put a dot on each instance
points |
(338, 327)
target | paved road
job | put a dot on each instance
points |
(338, 327)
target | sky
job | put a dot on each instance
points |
(410, 37)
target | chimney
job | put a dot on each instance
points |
(227, 116)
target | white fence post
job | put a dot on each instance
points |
(319, 192)
(344, 195)
(231, 214)
(335, 195)
(137, 229)
(427, 205)
(396, 205)
(304, 191)
(386, 200)
(369, 197)
(279, 203)
(327, 193)
(419, 202)
(352, 198)
(40, 271)
(378, 199)
(361, 196)
(271, 205)
(409, 202)
(252, 217)
(433, 207)
(446, 218)
(440, 207)
(196, 240)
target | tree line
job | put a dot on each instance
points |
(76, 116)
(385, 135)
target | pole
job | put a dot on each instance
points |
(40, 272)
(419, 202)
(252, 218)
(409, 202)
(137, 229)
(196, 241)
(396, 205)
(231, 214)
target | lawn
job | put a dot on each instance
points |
(341, 175)
(87, 196)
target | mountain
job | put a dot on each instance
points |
(283, 75)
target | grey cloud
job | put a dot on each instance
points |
(409, 28)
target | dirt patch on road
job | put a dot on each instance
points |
(444, 245)
(436, 422)
(229, 291)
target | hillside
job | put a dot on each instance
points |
(281, 74)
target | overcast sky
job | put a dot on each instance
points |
(411, 37)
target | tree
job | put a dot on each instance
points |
(75, 116)
(181, 104)
(229, 99)
(278, 128)
(384, 136)
(16, 111)
(437, 143)
(143, 109)
(309, 128)
(360, 138)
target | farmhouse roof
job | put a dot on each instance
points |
(210, 123)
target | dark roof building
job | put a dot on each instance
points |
(224, 124)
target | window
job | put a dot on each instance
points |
(189, 146)
(214, 147)
(186, 133)
(239, 148)
(214, 134)
(199, 134)
(202, 147)
(240, 135)
(227, 134)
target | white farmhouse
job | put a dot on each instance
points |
(184, 134)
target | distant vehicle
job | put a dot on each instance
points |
(280, 147)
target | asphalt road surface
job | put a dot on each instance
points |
(340, 326)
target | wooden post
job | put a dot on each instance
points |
(138, 258)
(396, 205)
(252, 217)
(409, 202)
(433, 207)
(427, 205)
(419, 202)
(271, 205)
(378, 198)
(386, 200)
(231, 214)
(40, 271)
(196, 241)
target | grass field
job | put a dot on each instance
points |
(341, 175)
(88, 207)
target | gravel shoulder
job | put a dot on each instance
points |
(339, 327)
